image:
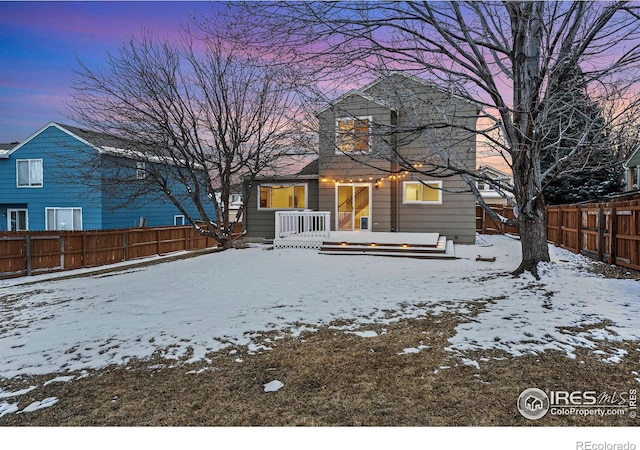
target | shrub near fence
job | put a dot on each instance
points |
(608, 231)
(35, 252)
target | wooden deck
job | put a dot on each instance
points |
(413, 245)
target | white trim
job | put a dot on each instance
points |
(419, 80)
(26, 218)
(30, 186)
(337, 204)
(56, 209)
(282, 185)
(59, 127)
(141, 170)
(354, 119)
(422, 202)
(346, 95)
(178, 217)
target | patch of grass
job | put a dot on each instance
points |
(331, 378)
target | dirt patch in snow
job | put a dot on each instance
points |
(398, 374)
(611, 271)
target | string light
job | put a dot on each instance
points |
(375, 179)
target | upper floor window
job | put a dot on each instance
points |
(282, 197)
(353, 135)
(141, 170)
(29, 172)
(424, 192)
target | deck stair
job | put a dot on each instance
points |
(425, 246)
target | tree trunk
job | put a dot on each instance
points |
(226, 243)
(533, 238)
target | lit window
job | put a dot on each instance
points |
(64, 218)
(29, 172)
(427, 192)
(282, 197)
(353, 134)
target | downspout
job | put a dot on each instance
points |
(395, 205)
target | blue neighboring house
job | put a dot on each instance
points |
(43, 186)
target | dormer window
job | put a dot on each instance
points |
(353, 135)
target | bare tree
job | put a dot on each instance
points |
(505, 56)
(201, 115)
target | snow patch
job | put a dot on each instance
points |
(63, 379)
(364, 334)
(47, 402)
(199, 371)
(8, 408)
(95, 321)
(273, 386)
(411, 350)
(471, 362)
(4, 394)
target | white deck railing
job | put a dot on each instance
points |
(301, 228)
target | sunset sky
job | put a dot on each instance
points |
(40, 43)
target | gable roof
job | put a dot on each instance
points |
(313, 168)
(634, 159)
(362, 92)
(351, 93)
(490, 170)
(94, 138)
(101, 142)
(89, 138)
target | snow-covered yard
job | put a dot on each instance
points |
(188, 308)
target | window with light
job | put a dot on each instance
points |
(282, 197)
(353, 135)
(423, 192)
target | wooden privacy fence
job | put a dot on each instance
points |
(485, 224)
(608, 231)
(35, 252)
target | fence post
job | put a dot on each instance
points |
(484, 221)
(124, 246)
(579, 229)
(27, 243)
(277, 225)
(560, 237)
(158, 241)
(62, 252)
(601, 234)
(84, 250)
(613, 224)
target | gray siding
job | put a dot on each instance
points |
(260, 224)
(404, 102)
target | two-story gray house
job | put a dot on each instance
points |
(368, 138)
